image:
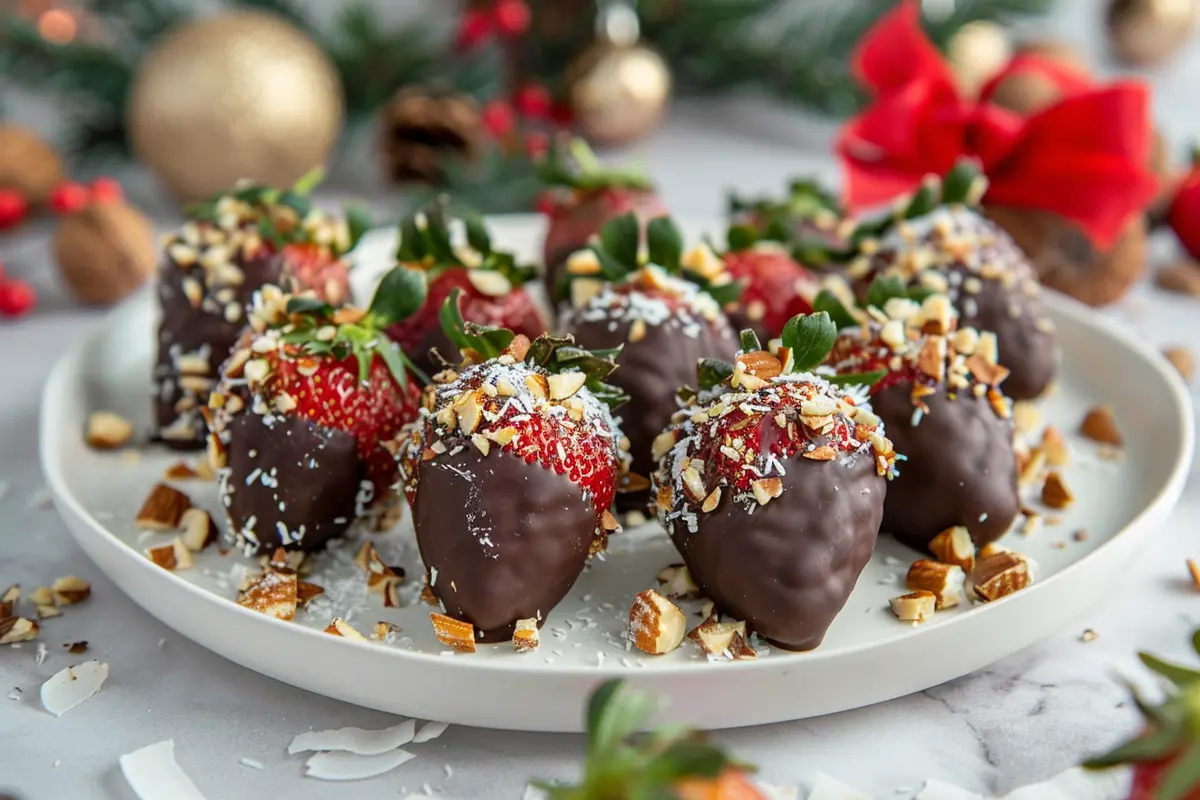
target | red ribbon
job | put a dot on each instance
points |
(1084, 158)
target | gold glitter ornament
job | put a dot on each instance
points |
(1146, 33)
(240, 94)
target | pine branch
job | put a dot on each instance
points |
(98, 75)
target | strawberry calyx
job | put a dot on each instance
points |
(285, 217)
(622, 764)
(1172, 732)
(571, 164)
(774, 219)
(426, 244)
(615, 257)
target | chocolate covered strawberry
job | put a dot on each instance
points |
(1165, 756)
(231, 246)
(775, 287)
(771, 483)
(490, 284)
(306, 413)
(511, 471)
(582, 196)
(676, 762)
(937, 388)
(664, 316)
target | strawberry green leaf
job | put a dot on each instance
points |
(488, 340)
(620, 239)
(309, 181)
(1183, 778)
(749, 341)
(1179, 675)
(394, 360)
(918, 293)
(664, 243)
(358, 222)
(1196, 641)
(575, 166)
(884, 288)
(614, 714)
(689, 758)
(401, 292)
(477, 234)
(1149, 747)
(541, 350)
(712, 372)
(412, 247)
(741, 237)
(858, 378)
(810, 337)
(723, 293)
(827, 302)
(964, 183)
(309, 305)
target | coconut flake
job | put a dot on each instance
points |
(153, 774)
(355, 740)
(71, 686)
(251, 763)
(350, 767)
(827, 788)
(430, 731)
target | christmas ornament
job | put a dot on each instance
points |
(1084, 159)
(1184, 213)
(1033, 80)
(423, 130)
(977, 52)
(618, 88)
(1147, 33)
(240, 94)
(28, 164)
(105, 252)
(511, 17)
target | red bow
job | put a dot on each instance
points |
(1084, 158)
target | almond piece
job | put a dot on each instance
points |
(525, 636)
(383, 630)
(822, 453)
(273, 593)
(999, 575)
(70, 590)
(339, 627)
(694, 484)
(583, 290)
(108, 431)
(306, 591)
(716, 638)
(17, 629)
(454, 633)
(1055, 447)
(656, 625)
(662, 444)
(711, 502)
(1100, 426)
(469, 413)
(608, 522)
(766, 489)
(1055, 492)
(664, 498)
(42, 596)
(199, 530)
(1194, 569)
(1183, 277)
(932, 358)
(180, 471)
(637, 330)
(761, 364)
(163, 509)
(916, 606)
(943, 580)
(1182, 359)
(1032, 468)
(565, 384)
(12, 595)
(172, 556)
(676, 582)
(48, 612)
(489, 282)
(538, 386)
(1026, 416)
(954, 546)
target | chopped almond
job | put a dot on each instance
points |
(711, 502)
(339, 627)
(70, 590)
(1183, 277)
(766, 489)
(954, 546)
(716, 638)
(677, 582)
(761, 364)
(656, 625)
(199, 530)
(943, 580)
(525, 636)
(108, 431)
(1100, 426)
(172, 556)
(916, 606)
(180, 471)
(306, 591)
(1055, 447)
(565, 384)
(1182, 359)
(17, 629)
(1000, 575)
(1026, 416)
(1055, 492)
(42, 596)
(163, 509)
(1194, 569)
(454, 633)
(274, 593)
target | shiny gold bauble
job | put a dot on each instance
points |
(28, 164)
(618, 93)
(977, 52)
(105, 252)
(1148, 32)
(1059, 52)
(241, 94)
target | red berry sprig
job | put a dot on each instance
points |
(17, 298)
(506, 18)
(14, 208)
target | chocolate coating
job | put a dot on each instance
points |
(960, 467)
(788, 569)
(508, 539)
(202, 330)
(313, 477)
(650, 371)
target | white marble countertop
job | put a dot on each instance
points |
(1021, 720)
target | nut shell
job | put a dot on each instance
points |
(28, 164)
(105, 252)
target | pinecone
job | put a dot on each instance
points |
(423, 130)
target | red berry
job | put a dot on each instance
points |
(16, 299)
(512, 17)
(499, 120)
(69, 197)
(536, 144)
(473, 29)
(107, 190)
(533, 100)
(562, 115)
(13, 208)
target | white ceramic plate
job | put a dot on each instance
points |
(868, 656)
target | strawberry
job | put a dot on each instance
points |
(490, 285)
(305, 414)
(664, 316)
(510, 471)
(675, 762)
(1165, 755)
(583, 197)
(775, 287)
(233, 245)
(766, 437)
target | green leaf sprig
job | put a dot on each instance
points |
(426, 243)
(618, 248)
(554, 354)
(1172, 730)
(622, 764)
(777, 219)
(400, 294)
(571, 164)
(882, 289)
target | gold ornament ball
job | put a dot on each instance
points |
(28, 164)
(241, 94)
(105, 252)
(977, 52)
(618, 94)
(1148, 32)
